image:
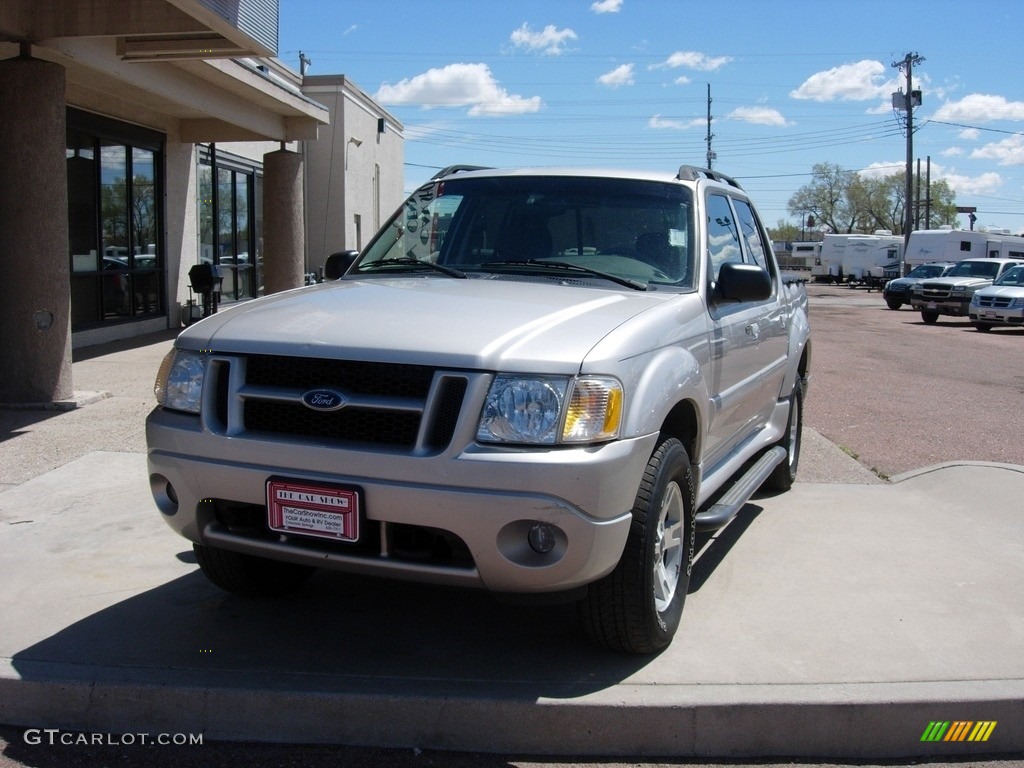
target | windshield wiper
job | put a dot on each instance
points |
(636, 285)
(408, 261)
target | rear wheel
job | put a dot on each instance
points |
(250, 575)
(784, 475)
(637, 607)
(929, 317)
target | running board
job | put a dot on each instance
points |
(721, 512)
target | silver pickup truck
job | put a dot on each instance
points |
(532, 382)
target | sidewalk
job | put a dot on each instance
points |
(836, 621)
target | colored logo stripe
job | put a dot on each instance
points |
(958, 730)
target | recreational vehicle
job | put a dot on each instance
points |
(928, 245)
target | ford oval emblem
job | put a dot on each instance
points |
(323, 400)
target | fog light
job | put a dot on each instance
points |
(542, 538)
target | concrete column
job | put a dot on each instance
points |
(35, 313)
(283, 231)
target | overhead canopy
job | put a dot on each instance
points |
(204, 67)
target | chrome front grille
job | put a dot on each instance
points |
(994, 302)
(391, 406)
(933, 291)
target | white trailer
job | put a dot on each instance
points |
(859, 259)
(928, 245)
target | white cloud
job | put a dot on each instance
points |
(970, 134)
(952, 152)
(881, 169)
(682, 80)
(1009, 151)
(458, 85)
(659, 122)
(693, 60)
(606, 6)
(859, 81)
(758, 116)
(980, 108)
(622, 75)
(984, 184)
(550, 40)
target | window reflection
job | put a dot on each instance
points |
(228, 221)
(113, 223)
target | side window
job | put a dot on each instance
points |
(757, 248)
(723, 236)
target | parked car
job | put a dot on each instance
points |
(536, 382)
(897, 292)
(951, 295)
(1002, 303)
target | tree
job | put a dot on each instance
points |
(827, 198)
(784, 232)
(846, 202)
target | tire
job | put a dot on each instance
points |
(894, 303)
(250, 575)
(983, 327)
(637, 607)
(929, 317)
(783, 476)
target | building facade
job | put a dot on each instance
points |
(139, 139)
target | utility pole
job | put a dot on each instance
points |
(905, 102)
(710, 136)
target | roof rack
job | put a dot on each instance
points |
(458, 169)
(692, 173)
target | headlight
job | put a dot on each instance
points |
(975, 301)
(958, 289)
(545, 410)
(1017, 303)
(179, 382)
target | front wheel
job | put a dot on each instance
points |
(784, 475)
(929, 317)
(250, 575)
(983, 327)
(637, 607)
(893, 303)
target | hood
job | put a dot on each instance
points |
(949, 282)
(1006, 291)
(474, 324)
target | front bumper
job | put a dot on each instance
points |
(476, 505)
(997, 315)
(955, 307)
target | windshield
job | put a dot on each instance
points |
(927, 270)
(1013, 276)
(975, 269)
(633, 230)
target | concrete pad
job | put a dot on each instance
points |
(836, 620)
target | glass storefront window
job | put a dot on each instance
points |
(114, 238)
(229, 222)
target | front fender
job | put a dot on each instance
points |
(659, 382)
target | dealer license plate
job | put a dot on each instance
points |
(320, 510)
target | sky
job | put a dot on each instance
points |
(625, 84)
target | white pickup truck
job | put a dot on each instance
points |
(538, 382)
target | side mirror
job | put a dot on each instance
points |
(743, 282)
(337, 264)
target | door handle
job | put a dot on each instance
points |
(754, 331)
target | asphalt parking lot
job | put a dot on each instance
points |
(893, 394)
(900, 395)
